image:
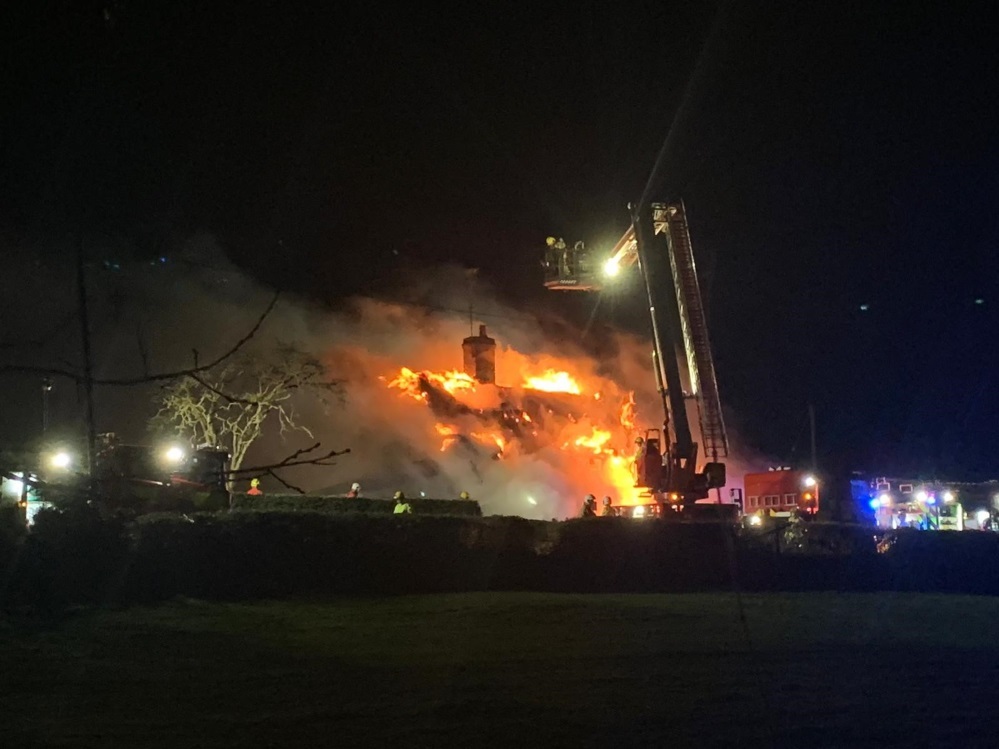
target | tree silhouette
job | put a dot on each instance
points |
(230, 405)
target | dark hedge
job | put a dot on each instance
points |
(78, 557)
(298, 502)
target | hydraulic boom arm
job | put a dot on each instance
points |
(659, 242)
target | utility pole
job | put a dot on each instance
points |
(46, 389)
(811, 425)
(88, 374)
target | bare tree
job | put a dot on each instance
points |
(230, 404)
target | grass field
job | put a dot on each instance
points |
(510, 670)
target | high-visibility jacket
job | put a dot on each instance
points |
(402, 507)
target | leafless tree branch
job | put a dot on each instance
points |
(43, 339)
(159, 377)
(293, 460)
(285, 483)
(231, 398)
(230, 406)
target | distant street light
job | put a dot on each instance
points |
(174, 454)
(61, 460)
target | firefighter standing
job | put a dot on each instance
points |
(589, 507)
(355, 491)
(639, 461)
(581, 258)
(550, 262)
(608, 508)
(255, 490)
(402, 507)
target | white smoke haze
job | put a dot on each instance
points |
(197, 300)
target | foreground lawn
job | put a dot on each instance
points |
(510, 670)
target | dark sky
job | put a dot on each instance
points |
(830, 156)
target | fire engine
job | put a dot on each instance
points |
(142, 478)
(781, 492)
(658, 241)
(902, 503)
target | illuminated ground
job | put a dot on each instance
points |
(510, 670)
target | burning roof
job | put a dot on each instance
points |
(582, 429)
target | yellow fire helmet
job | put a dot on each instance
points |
(465, 495)
(254, 483)
(550, 241)
(399, 495)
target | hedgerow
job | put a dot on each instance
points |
(78, 556)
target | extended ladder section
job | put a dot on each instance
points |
(694, 326)
(669, 220)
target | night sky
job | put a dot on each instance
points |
(838, 164)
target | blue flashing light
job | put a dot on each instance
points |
(931, 500)
(875, 503)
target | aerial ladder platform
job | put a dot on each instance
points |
(658, 241)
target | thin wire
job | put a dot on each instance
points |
(593, 314)
(695, 80)
(747, 635)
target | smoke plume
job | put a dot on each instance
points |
(558, 423)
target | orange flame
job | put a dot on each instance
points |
(452, 381)
(621, 474)
(410, 382)
(628, 414)
(553, 381)
(449, 433)
(489, 437)
(594, 434)
(594, 441)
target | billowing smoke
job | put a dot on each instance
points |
(557, 424)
